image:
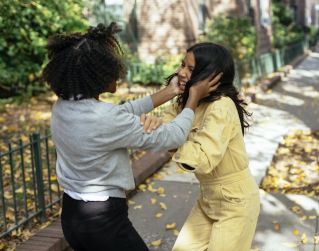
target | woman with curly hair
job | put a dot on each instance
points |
(225, 215)
(92, 137)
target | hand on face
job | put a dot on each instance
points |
(204, 87)
(175, 86)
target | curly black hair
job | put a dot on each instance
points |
(214, 58)
(83, 65)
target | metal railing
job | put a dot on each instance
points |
(247, 71)
(28, 183)
(265, 64)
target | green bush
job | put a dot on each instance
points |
(238, 34)
(285, 30)
(24, 29)
(154, 73)
(313, 34)
(147, 73)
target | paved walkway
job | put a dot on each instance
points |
(292, 104)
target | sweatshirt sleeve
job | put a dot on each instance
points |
(139, 106)
(207, 145)
(127, 132)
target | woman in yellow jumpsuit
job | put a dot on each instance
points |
(225, 215)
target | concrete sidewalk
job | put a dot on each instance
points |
(286, 220)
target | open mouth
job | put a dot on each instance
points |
(182, 85)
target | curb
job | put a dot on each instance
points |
(148, 164)
(51, 238)
(268, 83)
(47, 239)
(271, 82)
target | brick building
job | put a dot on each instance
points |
(161, 27)
(170, 26)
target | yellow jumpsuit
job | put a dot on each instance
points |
(225, 215)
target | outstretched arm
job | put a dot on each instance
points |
(146, 104)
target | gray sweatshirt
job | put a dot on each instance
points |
(92, 138)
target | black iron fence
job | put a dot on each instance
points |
(259, 67)
(28, 184)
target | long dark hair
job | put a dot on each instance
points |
(82, 65)
(214, 58)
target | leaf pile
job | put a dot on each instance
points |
(20, 118)
(295, 166)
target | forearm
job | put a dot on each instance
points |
(138, 106)
(162, 96)
(192, 101)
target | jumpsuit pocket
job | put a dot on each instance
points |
(233, 194)
(209, 200)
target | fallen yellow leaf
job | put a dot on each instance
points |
(8, 195)
(160, 190)
(41, 116)
(157, 176)
(138, 207)
(163, 206)
(158, 215)
(142, 187)
(131, 202)
(151, 188)
(156, 243)
(176, 232)
(296, 232)
(54, 188)
(2, 246)
(171, 226)
(12, 128)
(10, 214)
(153, 201)
(296, 209)
(19, 190)
(304, 238)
